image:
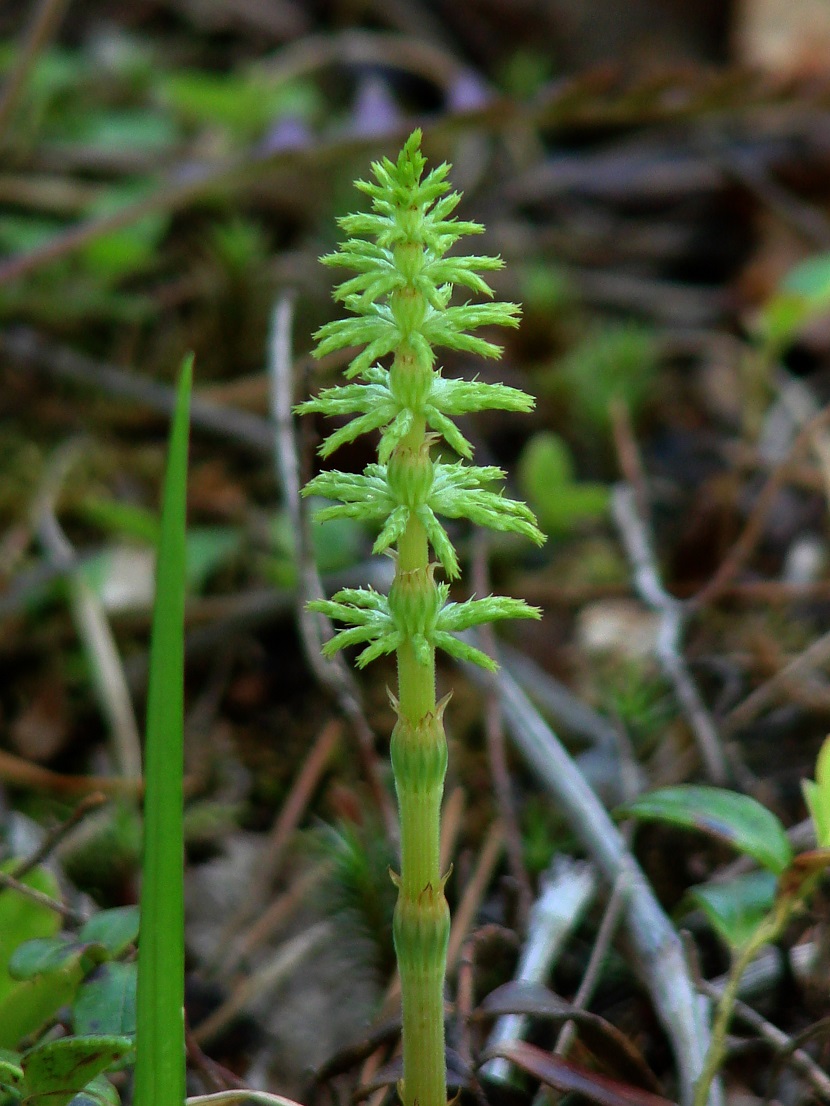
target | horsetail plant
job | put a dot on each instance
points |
(400, 300)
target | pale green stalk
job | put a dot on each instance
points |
(401, 297)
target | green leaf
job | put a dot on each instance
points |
(34, 1002)
(804, 295)
(112, 130)
(736, 819)
(817, 796)
(208, 548)
(811, 280)
(21, 919)
(11, 1073)
(115, 929)
(57, 1070)
(100, 1092)
(53, 954)
(160, 1066)
(737, 908)
(546, 478)
(130, 248)
(105, 1002)
(117, 517)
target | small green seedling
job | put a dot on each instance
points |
(400, 300)
(752, 910)
(546, 477)
(82, 973)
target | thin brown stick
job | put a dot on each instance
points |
(73, 917)
(743, 548)
(813, 657)
(465, 987)
(22, 773)
(475, 890)
(797, 1058)
(275, 915)
(44, 25)
(496, 749)
(240, 427)
(289, 817)
(608, 928)
(54, 837)
(285, 960)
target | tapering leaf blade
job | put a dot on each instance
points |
(160, 1061)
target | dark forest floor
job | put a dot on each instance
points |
(171, 172)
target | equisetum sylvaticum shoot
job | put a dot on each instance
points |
(401, 312)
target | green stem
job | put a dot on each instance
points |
(767, 931)
(419, 758)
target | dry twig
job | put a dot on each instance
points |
(333, 675)
(673, 615)
(657, 951)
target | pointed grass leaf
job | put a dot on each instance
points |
(736, 819)
(57, 1070)
(115, 929)
(563, 1075)
(105, 1003)
(160, 1062)
(737, 908)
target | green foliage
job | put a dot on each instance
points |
(55, 1072)
(377, 619)
(634, 691)
(26, 1004)
(107, 1002)
(546, 478)
(52, 972)
(115, 929)
(359, 893)
(547, 290)
(130, 249)
(401, 300)
(802, 296)
(736, 819)
(83, 969)
(337, 543)
(817, 796)
(243, 103)
(736, 909)
(22, 919)
(613, 363)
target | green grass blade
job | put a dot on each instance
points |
(160, 1060)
